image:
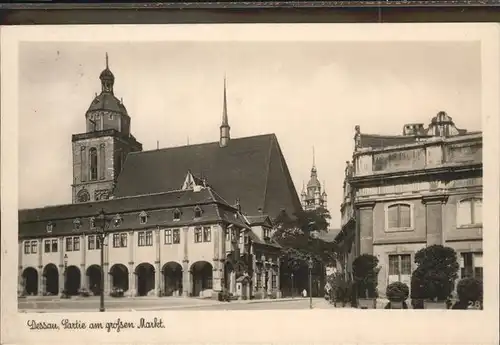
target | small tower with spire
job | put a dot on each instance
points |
(311, 196)
(224, 127)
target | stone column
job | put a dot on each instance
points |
(365, 227)
(186, 279)
(217, 272)
(83, 258)
(131, 274)
(20, 281)
(61, 278)
(270, 280)
(278, 283)
(157, 264)
(41, 281)
(232, 282)
(434, 205)
(186, 272)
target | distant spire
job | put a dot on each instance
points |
(314, 159)
(107, 61)
(224, 127)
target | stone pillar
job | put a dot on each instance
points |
(270, 280)
(131, 274)
(217, 273)
(278, 283)
(41, 281)
(83, 277)
(157, 264)
(232, 282)
(186, 272)
(186, 279)
(365, 227)
(434, 205)
(20, 281)
(61, 278)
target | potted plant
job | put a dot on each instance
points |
(365, 274)
(470, 294)
(84, 292)
(435, 276)
(397, 293)
(117, 292)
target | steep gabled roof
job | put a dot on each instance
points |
(251, 169)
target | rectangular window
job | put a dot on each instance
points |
(228, 234)
(398, 216)
(98, 243)
(69, 244)
(149, 238)
(168, 236)
(273, 281)
(116, 240)
(242, 238)
(471, 265)
(470, 212)
(54, 246)
(123, 240)
(76, 244)
(34, 247)
(400, 268)
(197, 235)
(176, 236)
(141, 239)
(91, 242)
(27, 247)
(207, 234)
(47, 246)
(267, 233)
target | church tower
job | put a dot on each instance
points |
(99, 153)
(312, 198)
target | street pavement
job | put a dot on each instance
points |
(91, 304)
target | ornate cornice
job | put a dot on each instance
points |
(435, 199)
(364, 204)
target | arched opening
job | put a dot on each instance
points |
(172, 279)
(202, 278)
(72, 280)
(51, 277)
(94, 279)
(30, 279)
(93, 163)
(119, 276)
(145, 278)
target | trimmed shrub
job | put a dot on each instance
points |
(397, 292)
(470, 290)
(436, 273)
(365, 274)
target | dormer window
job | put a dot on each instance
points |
(117, 220)
(197, 212)
(143, 217)
(92, 223)
(177, 214)
(49, 227)
(77, 224)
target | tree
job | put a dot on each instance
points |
(435, 276)
(293, 234)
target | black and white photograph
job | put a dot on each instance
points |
(238, 174)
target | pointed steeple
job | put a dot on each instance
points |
(313, 169)
(224, 127)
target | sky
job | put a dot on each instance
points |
(310, 94)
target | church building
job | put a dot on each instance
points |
(181, 221)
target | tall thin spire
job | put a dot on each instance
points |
(314, 159)
(225, 121)
(107, 61)
(224, 127)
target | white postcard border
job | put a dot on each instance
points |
(303, 326)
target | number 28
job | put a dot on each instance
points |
(475, 305)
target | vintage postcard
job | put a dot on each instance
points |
(250, 183)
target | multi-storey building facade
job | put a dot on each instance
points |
(403, 193)
(191, 220)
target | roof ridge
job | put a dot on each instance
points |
(201, 144)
